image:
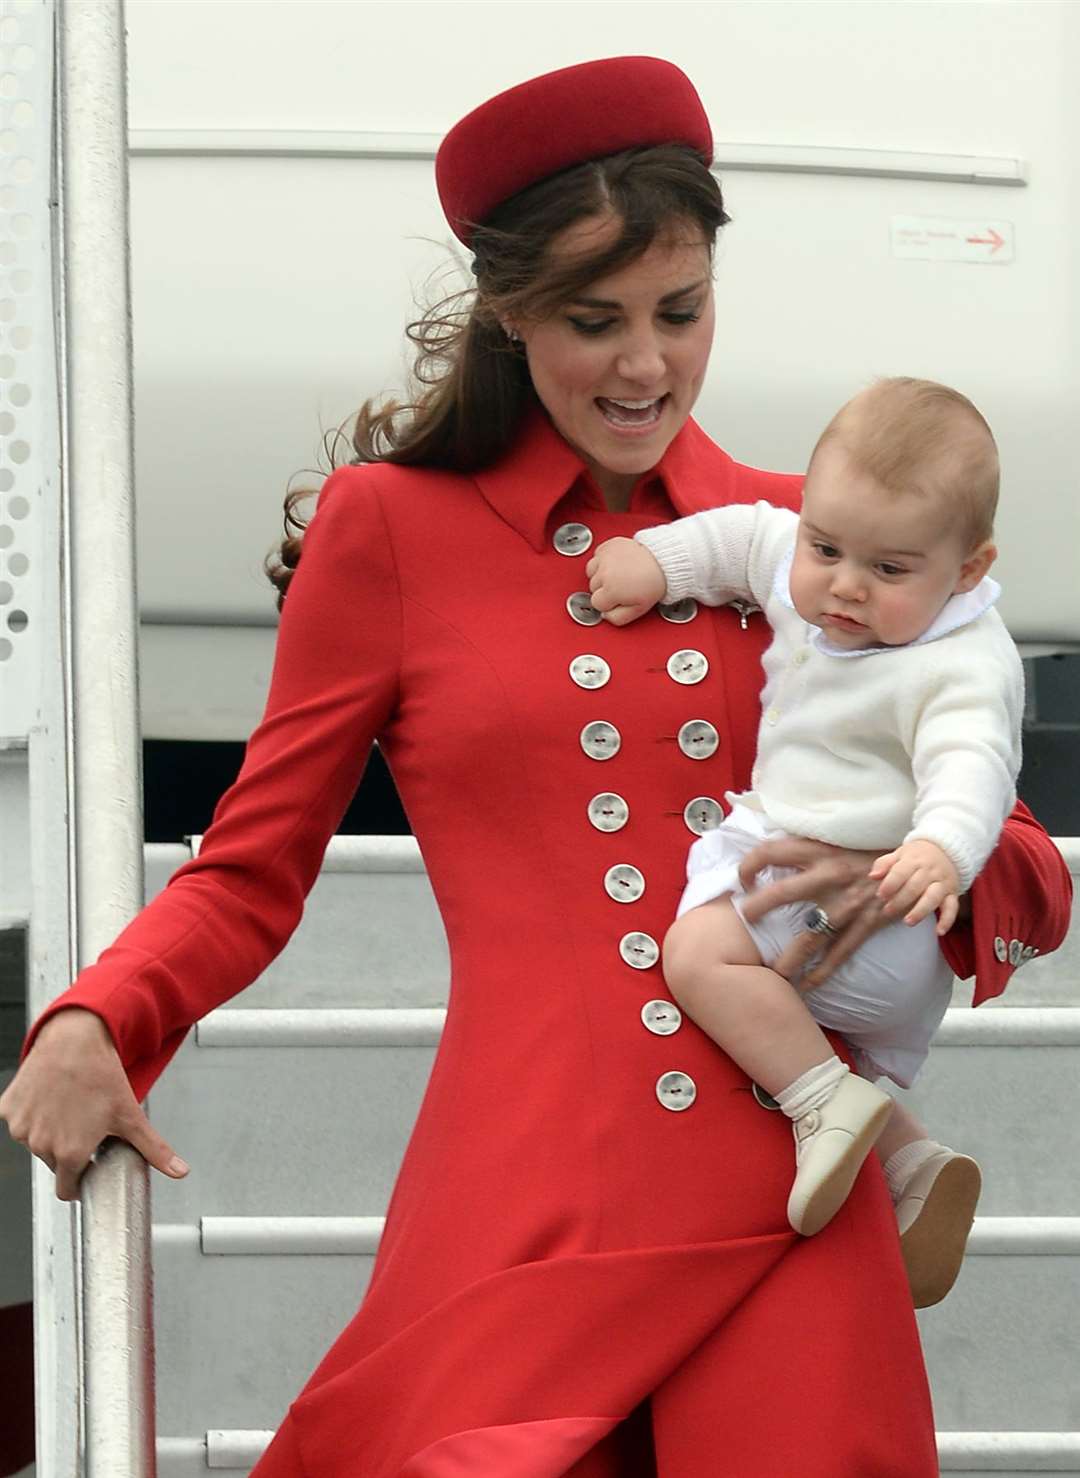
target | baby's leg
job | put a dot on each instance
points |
(714, 971)
(902, 1129)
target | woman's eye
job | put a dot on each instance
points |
(681, 318)
(590, 325)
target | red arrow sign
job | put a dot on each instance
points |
(993, 240)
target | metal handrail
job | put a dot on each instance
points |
(358, 1236)
(105, 834)
(769, 158)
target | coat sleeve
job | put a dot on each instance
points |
(1020, 905)
(226, 914)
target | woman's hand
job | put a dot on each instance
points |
(625, 580)
(70, 1094)
(837, 880)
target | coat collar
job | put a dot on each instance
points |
(540, 469)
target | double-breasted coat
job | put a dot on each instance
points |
(591, 1208)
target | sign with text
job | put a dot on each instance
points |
(939, 239)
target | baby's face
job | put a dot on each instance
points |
(872, 568)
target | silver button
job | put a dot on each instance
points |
(582, 609)
(1016, 951)
(589, 671)
(703, 814)
(1001, 949)
(678, 612)
(687, 666)
(676, 1091)
(624, 883)
(640, 951)
(608, 811)
(772, 716)
(698, 739)
(600, 740)
(1029, 953)
(661, 1017)
(572, 538)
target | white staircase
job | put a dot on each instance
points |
(293, 1106)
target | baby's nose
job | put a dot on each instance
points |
(847, 583)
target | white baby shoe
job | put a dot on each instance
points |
(831, 1143)
(934, 1213)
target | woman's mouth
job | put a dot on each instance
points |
(631, 415)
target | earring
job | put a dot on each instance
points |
(512, 334)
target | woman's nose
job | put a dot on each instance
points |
(641, 361)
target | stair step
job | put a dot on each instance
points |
(238, 1335)
(372, 938)
(1000, 1351)
(314, 1130)
(1015, 1112)
(371, 935)
(232, 1114)
(236, 1338)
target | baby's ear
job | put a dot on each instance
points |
(975, 566)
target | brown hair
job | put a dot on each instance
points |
(471, 383)
(916, 436)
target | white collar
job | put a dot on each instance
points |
(958, 610)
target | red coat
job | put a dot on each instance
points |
(559, 1245)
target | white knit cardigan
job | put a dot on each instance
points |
(869, 748)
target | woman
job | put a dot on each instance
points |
(586, 1266)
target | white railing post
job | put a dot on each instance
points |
(107, 818)
(33, 678)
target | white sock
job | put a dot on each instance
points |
(813, 1089)
(903, 1163)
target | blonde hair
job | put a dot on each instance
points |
(916, 436)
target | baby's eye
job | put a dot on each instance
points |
(827, 551)
(891, 569)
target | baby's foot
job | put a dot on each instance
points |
(934, 1212)
(831, 1142)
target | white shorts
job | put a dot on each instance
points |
(887, 1000)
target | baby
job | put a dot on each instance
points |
(890, 723)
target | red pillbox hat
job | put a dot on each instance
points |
(552, 122)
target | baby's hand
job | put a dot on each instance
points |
(625, 580)
(919, 877)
